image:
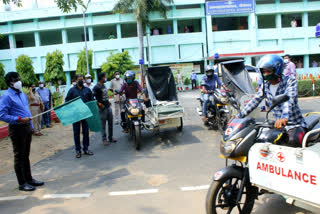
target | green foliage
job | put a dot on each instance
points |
(25, 69)
(305, 88)
(186, 81)
(57, 98)
(142, 8)
(82, 63)
(54, 68)
(3, 84)
(117, 62)
(25, 90)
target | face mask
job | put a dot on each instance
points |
(129, 81)
(88, 81)
(209, 74)
(74, 83)
(271, 77)
(17, 85)
(117, 76)
(80, 83)
(286, 61)
(41, 85)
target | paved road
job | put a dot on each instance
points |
(109, 181)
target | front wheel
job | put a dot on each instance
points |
(181, 125)
(222, 196)
(137, 136)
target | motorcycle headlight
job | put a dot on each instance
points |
(134, 111)
(228, 147)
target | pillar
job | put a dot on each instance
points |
(279, 26)
(306, 62)
(91, 36)
(68, 76)
(41, 77)
(64, 36)
(95, 81)
(119, 31)
(253, 29)
(210, 36)
(37, 38)
(34, 4)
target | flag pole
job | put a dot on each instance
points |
(42, 113)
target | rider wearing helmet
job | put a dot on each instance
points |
(275, 83)
(130, 88)
(208, 83)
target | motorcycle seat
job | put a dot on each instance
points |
(311, 121)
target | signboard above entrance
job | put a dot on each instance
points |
(225, 7)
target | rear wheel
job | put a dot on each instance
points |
(181, 125)
(222, 196)
(137, 136)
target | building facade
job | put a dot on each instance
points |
(188, 34)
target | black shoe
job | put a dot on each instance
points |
(88, 152)
(78, 155)
(49, 126)
(36, 183)
(27, 187)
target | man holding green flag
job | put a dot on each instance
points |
(86, 95)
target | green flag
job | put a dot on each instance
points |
(72, 111)
(94, 122)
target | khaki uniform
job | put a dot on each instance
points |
(116, 85)
(34, 105)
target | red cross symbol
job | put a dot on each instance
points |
(280, 157)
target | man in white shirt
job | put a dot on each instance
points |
(116, 84)
(180, 81)
(88, 82)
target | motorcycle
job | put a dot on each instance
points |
(261, 164)
(134, 114)
(218, 113)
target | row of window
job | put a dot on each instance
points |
(100, 32)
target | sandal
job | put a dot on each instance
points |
(78, 155)
(106, 143)
(88, 152)
(113, 140)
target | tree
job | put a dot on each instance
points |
(82, 63)
(3, 84)
(25, 69)
(117, 62)
(54, 68)
(141, 10)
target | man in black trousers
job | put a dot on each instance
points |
(86, 95)
(14, 110)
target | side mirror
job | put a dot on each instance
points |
(277, 101)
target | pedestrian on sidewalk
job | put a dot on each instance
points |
(45, 97)
(290, 67)
(115, 85)
(180, 81)
(194, 80)
(101, 93)
(14, 110)
(86, 95)
(36, 107)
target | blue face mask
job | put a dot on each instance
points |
(129, 81)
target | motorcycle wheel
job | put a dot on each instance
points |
(137, 136)
(222, 195)
(181, 125)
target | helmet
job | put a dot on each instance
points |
(129, 76)
(210, 68)
(272, 62)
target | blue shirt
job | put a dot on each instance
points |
(14, 104)
(44, 94)
(289, 110)
(211, 83)
(85, 94)
(193, 76)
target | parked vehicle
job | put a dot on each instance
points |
(262, 164)
(218, 113)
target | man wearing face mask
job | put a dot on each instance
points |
(290, 67)
(86, 95)
(275, 83)
(208, 83)
(45, 97)
(88, 82)
(101, 94)
(14, 110)
(115, 85)
(36, 107)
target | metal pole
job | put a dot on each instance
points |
(148, 47)
(85, 35)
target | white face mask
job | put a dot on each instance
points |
(88, 81)
(41, 85)
(286, 60)
(17, 85)
(117, 76)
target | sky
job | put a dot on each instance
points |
(27, 4)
